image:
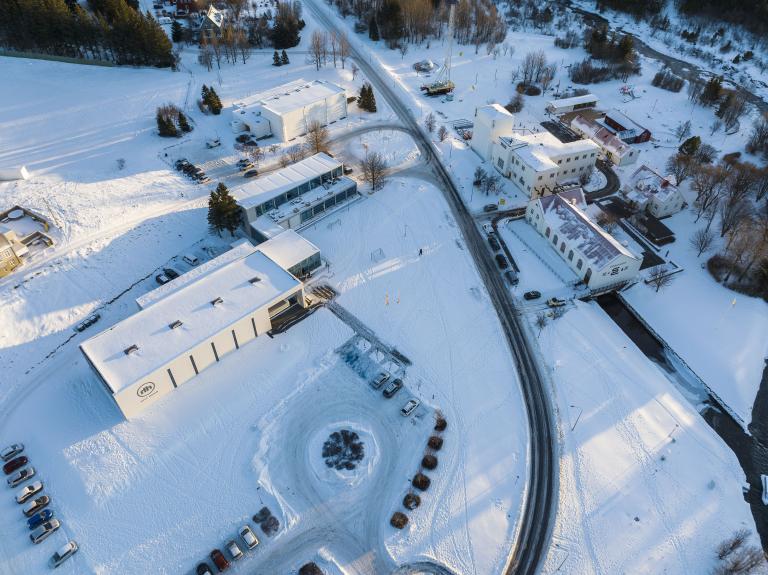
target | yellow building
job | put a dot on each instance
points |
(11, 251)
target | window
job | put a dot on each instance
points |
(540, 177)
(584, 157)
(547, 233)
(568, 159)
(579, 264)
(500, 163)
(562, 248)
(592, 155)
(570, 255)
(306, 215)
(560, 161)
(554, 240)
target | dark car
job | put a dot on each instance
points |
(502, 261)
(348, 170)
(171, 273)
(39, 518)
(181, 164)
(219, 560)
(394, 386)
(494, 243)
(203, 569)
(251, 173)
(490, 208)
(88, 322)
(15, 464)
(533, 294)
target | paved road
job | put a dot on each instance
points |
(539, 505)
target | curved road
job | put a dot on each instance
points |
(539, 503)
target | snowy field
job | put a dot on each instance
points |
(646, 485)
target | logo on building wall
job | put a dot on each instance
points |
(146, 389)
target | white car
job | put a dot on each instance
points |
(42, 532)
(21, 476)
(409, 406)
(64, 553)
(11, 451)
(28, 491)
(248, 537)
(234, 551)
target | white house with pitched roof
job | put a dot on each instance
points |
(593, 254)
(650, 191)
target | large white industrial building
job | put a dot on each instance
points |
(293, 196)
(287, 111)
(193, 324)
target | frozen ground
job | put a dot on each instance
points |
(646, 485)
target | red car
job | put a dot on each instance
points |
(15, 464)
(219, 560)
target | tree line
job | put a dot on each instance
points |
(112, 31)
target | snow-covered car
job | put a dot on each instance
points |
(190, 259)
(213, 143)
(203, 569)
(233, 550)
(11, 451)
(393, 387)
(44, 531)
(533, 294)
(409, 406)
(15, 464)
(65, 552)
(39, 518)
(21, 476)
(511, 276)
(28, 491)
(36, 505)
(379, 380)
(555, 302)
(162, 279)
(248, 537)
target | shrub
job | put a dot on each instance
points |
(585, 72)
(310, 569)
(668, 81)
(532, 91)
(429, 461)
(515, 104)
(411, 501)
(440, 423)
(398, 520)
(421, 481)
(435, 442)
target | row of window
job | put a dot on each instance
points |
(579, 263)
(310, 213)
(297, 191)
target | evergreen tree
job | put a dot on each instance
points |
(284, 58)
(223, 211)
(690, 146)
(177, 33)
(214, 103)
(285, 31)
(712, 91)
(373, 29)
(366, 100)
(184, 123)
(371, 99)
(276, 59)
(391, 17)
(165, 126)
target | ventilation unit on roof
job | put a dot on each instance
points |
(217, 301)
(254, 280)
(130, 349)
(175, 324)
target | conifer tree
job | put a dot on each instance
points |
(177, 32)
(373, 29)
(223, 211)
(371, 99)
(215, 104)
(276, 59)
(165, 126)
(184, 123)
(284, 58)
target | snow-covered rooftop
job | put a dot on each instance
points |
(537, 150)
(573, 101)
(601, 135)
(288, 249)
(493, 111)
(293, 95)
(568, 220)
(196, 306)
(646, 183)
(621, 118)
(272, 185)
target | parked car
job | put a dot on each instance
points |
(190, 259)
(43, 531)
(164, 19)
(21, 476)
(379, 380)
(394, 386)
(15, 464)
(162, 279)
(533, 294)
(490, 208)
(511, 276)
(348, 170)
(494, 243)
(242, 138)
(251, 174)
(213, 143)
(203, 569)
(219, 560)
(11, 451)
(555, 302)
(502, 261)
(171, 273)
(36, 505)
(181, 13)
(65, 552)
(28, 491)
(181, 164)
(234, 551)
(248, 537)
(88, 322)
(39, 518)
(409, 406)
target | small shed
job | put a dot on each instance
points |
(11, 174)
(573, 104)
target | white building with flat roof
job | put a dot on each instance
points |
(291, 108)
(491, 122)
(565, 105)
(193, 325)
(293, 196)
(595, 256)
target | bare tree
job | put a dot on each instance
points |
(681, 166)
(442, 133)
(355, 70)
(403, 48)
(683, 130)
(716, 125)
(344, 50)
(243, 45)
(255, 154)
(541, 321)
(333, 38)
(708, 185)
(660, 277)
(215, 45)
(236, 6)
(732, 543)
(317, 137)
(735, 205)
(296, 153)
(318, 48)
(701, 240)
(547, 75)
(205, 55)
(374, 168)
(430, 122)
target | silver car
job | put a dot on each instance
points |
(410, 405)
(28, 491)
(11, 451)
(21, 476)
(42, 532)
(248, 537)
(64, 553)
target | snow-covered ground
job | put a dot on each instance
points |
(646, 485)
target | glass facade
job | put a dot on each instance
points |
(299, 190)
